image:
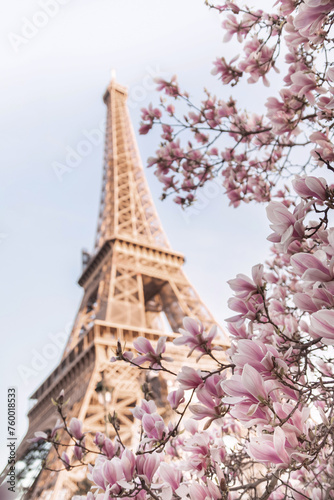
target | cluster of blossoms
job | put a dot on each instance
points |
(172, 460)
(260, 423)
(249, 151)
(272, 392)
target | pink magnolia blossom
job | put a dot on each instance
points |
(66, 460)
(309, 186)
(238, 330)
(311, 15)
(303, 84)
(244, 287)
(147, 465)
(171, 87)
(75, 428)
(189, 378)
(230, 6)
(258, 60)
(146, 407)
(323, 296)
(293, 39)
(96, 474)
(270, 449)
(324, 150)
(205, 411)
(170, 475)
(198, 492)
(227, 73)
(110, 449)
(145, 128)
(305, 302)
(286, 6)
(170, 109)
(112, 473)
(258, 355)
(59, 425)
(246, 308)
(150, 113)
(99, 439)
(78, 453)
(232, 27)
(322, 323)
(311, 268)
(282, 113)
(288, 227)
(248, 393)
(209, 395)
(128, 464)
(296, 422)
(193, 336)
(154, 426)
(39, 436)
(176, 398)
(213, 490)
(191, 426)
(149, 354)
(198, 446)
(249, 385)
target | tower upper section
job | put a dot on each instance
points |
(126, 210)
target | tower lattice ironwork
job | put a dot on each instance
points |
(133, 285)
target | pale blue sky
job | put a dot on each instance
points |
(51, 93)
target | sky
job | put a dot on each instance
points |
(57, 57)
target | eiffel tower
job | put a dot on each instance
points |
(134, 286)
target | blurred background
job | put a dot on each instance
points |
(57, 57)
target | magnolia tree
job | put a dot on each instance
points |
(260, 425)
